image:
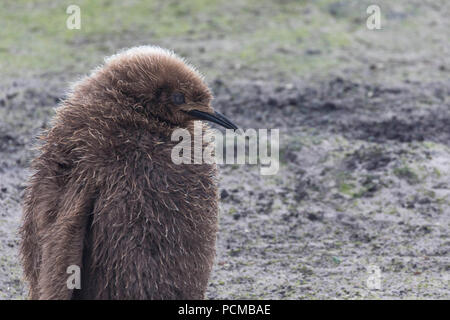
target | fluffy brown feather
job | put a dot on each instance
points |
(106, 196)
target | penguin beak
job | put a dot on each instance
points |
(216, 117)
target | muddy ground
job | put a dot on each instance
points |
(364, 178)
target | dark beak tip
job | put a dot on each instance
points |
(217, 118)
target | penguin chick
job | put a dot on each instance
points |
(105, 195)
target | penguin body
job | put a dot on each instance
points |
(105, 195)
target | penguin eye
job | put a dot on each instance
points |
(178, 98)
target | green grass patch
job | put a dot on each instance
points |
(407, 173)
(34, 37)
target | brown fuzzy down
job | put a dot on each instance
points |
(105, 195)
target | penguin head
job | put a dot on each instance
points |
(161, 85)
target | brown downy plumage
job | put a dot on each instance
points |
(106, 196)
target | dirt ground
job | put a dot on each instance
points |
(364, 179)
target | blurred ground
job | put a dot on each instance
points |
(364, 118)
